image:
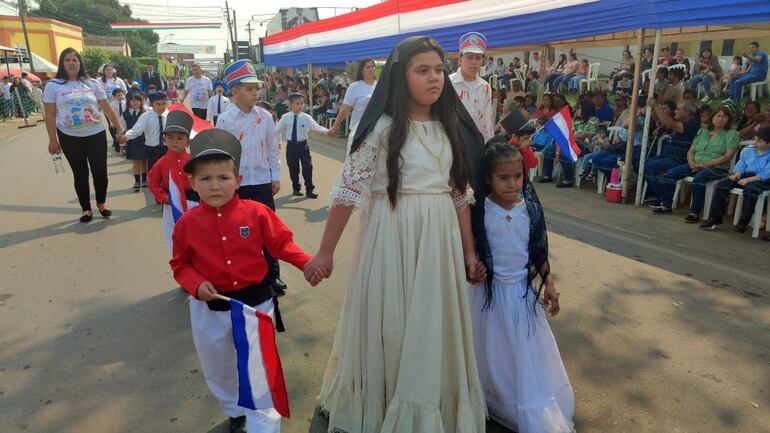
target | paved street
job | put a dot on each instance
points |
(663, 328)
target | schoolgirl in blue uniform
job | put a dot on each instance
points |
(135, 149)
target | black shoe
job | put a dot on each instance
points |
(144, 184)
(106, 213)
(691, 218)
(545, 180)
(311, 194)
(741, 226)
(297, 193)
(279, 287)
(661, 210)
(565, 185)
(710, 224)
(87, 216)
(238, 425)
(137, 186)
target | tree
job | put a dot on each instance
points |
(94, 59)
(95, 16)
(125, 67)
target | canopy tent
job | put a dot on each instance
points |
(374, 31)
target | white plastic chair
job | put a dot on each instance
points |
(681, 66)
(709, 190)
(756, 217)
(757, 89)
(593, 77)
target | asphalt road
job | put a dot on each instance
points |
(663, 328)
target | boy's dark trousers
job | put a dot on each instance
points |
(751, 193)
(298, 153)
(263, 194)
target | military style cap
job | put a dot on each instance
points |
(214, 142)
(473, 42)
(178, 121)
(516, 123)
(242, 71)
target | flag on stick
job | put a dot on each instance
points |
(560, 128)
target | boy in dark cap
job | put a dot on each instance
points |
(218, 249)
(151, 124)
(168, 183)
(517, 131)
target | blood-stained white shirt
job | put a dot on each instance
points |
(476, 95)
(260, 160)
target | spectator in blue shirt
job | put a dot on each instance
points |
(752, 174)
(757, 72)
(602, 109)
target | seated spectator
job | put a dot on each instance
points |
(602, 108)
(515, 63)
(752, 174)
(736, 67)
(324, 102)
(689, 95)
(710, 154)
(582, 73)
(499, 100)
(534, 63)
(680, 59)
(756, 73)
(546, 108)
(559, 102)
(554, 71)
(599, 143)
(750, 118)
(529, 104)
(489, 68)
(666, 59)
(517, 89)
(620, 113)
(533, 85)
(624, 71)
(675, 88)
(500, 67)
(684, 126)
(704, 114)
(647, 60)
(569, 70)
(661, 84)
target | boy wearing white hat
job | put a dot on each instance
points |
(475, 93)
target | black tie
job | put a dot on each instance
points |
(120, 108)
(160, 130)
(294, 130)
(219, 105)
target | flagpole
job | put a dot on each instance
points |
(632, 113)
(224, 298)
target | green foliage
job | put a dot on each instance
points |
(125, 67)
(95, 16)
(144, 61)
(94, 59)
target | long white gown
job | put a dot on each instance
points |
(526, 386)
(403, 358)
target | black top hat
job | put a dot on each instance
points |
(214, 142)
(178, 121)
(515, 123)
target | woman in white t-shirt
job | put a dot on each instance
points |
(357, 96)
(74, 103)
(110, 81)
(200, 89)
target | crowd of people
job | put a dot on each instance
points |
(440, 163)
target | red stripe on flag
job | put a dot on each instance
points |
(360, 16)
(565, 112)
(199, 125)
(272, 362)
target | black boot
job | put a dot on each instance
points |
(238, 424)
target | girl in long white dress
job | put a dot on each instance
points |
(526, 386)
(403, 358)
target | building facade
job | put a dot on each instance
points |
(47, 37)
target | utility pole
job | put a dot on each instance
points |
(248, 29)
(22, 12)
(229, 28)
(235, 38)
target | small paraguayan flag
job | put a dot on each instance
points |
(260, 375)
(560, 128)
(176, 198)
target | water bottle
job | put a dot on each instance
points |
(58, 165)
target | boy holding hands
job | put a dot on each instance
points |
(260, 163)
(217, 104)
(218, 249)
(151, 124)
(297, 149)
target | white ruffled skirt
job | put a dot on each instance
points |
(526, 386)
(403, 358)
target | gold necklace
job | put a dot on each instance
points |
(440, 157)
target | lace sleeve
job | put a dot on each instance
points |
(463, 199)
(355, 177)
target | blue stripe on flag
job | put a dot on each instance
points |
(174, 198)
(557, 127)
(245, 397)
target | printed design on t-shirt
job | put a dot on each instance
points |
(81, 112)
(200, 93)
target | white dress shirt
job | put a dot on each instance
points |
(211, 111)
(476, 95)
(260, 161)
(147, 124)
(305, 124)
(119, 108)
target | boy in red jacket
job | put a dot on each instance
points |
(168, 182)
(218, 249)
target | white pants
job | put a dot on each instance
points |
(168, 223)
(213, 336)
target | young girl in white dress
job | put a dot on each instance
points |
(403, 358)
(526, 386)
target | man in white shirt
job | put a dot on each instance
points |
(201, 90)
(297, 149)
(475, 93)
(217, 105)
(534, 63)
